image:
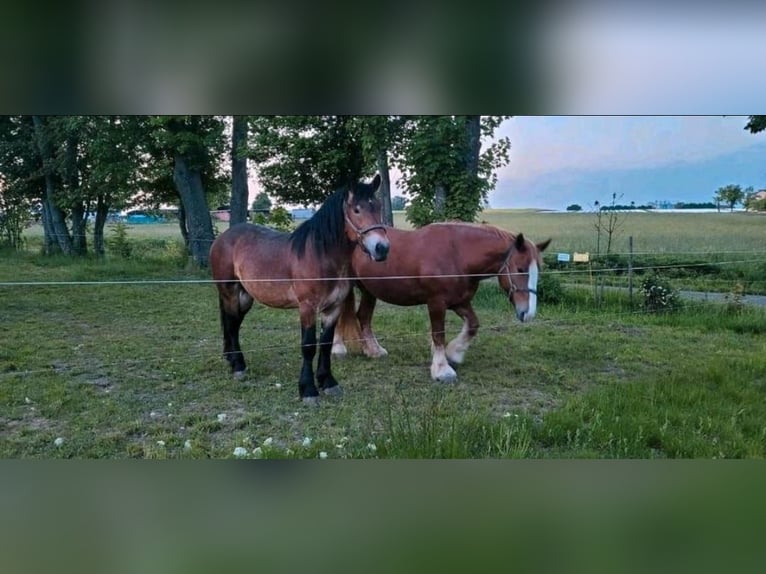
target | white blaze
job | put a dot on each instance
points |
(532, 285)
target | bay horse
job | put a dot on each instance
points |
(440, 265)
(307, 269)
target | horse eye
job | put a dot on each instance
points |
(357, 210)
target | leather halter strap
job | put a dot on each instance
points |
(506, 265)
(360, 232)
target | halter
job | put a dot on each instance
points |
(507, 267)
(360, 232)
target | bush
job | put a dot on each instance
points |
(658, 295)
(118, 243)
(549, 289)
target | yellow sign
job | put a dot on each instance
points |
(581, 257)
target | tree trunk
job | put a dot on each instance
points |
(182, 224)
(440, 202)
(50, 243)
(79, 217)
(102, 210)
(239, 189)
(473, 145)
(56, 216)
(78, 214)
(385, 187)
(200, 227)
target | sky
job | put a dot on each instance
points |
(693, 153)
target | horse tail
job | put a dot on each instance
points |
(347, 329)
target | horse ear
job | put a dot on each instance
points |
(543, 245)
(375, 182)
(520, 244)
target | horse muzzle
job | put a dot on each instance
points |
(376, 248)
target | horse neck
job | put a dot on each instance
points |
(494, 245)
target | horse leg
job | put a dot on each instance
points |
(327, 383)
(234, 303)
(306, 388)
(370, 344)
(459, 345)
(347, 326)
(440, 368)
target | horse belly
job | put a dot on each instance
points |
(273, 294)
(401, 292)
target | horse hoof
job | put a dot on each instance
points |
(311, 401)
(335, 392)
(239, 375)
(446, 378)
(339, 351)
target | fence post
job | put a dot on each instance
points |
(630, 270)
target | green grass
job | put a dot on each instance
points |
(134, 370)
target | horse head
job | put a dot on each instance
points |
(519, 274)
(364, 224)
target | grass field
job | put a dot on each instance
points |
(134, 370)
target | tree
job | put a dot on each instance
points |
(574, 207)
(239, 189)
(444, 171)
(381, 135)
(262, 202)
(756, 124)
(398, 203)
(730, 194)
(194, 145)
(22, 185)
(753, 203)
(303, 159)
(609, 221)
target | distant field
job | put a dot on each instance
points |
(652, 232)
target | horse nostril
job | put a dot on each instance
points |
(521, 315)
(381, 251)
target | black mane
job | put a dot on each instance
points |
(326, 228)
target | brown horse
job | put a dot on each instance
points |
(307, 269)
(440, 265)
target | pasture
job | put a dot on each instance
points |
(132, 366)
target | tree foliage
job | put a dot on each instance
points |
(303, 159)
(731, 195)
(756, 124)
(262, 202)
(444, 173)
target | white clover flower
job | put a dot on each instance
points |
(160, 443)
(59, 441)
(323, 455)
(306, 441)
(153, 414)
(278, 385)
(187, 445)
(371, 446)
(268, 441)
(258, 452)
(506, 415)
(221, 417)
(240, 452)
(27, 400)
